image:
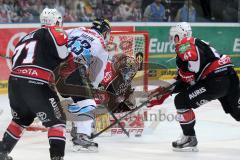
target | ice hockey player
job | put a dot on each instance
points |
(89, 50)
(88, 46)
(117, 81)
(30, 93)
(204, 75)
(116, 94)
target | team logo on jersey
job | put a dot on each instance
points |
(184, 47)
(42, 116)
(197, 92)
(14, 114)
(202, 102)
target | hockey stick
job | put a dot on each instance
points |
(165, 90)
(120, 125)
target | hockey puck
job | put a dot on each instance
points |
(138, 135)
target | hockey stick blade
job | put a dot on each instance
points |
(166, 90)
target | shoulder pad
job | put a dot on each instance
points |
(188, 39)
(59, 35)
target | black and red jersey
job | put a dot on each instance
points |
(39, 53)
(196, 60)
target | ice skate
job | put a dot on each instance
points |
(82, 143)
(185, 144)
(4, 154)
(57, 158)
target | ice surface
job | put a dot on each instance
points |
(218, 135)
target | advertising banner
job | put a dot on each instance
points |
(225, 39)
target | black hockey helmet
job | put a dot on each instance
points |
(101, 25)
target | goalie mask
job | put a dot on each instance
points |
(126, 66)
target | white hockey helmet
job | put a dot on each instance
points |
(181, 30)
(51, 17)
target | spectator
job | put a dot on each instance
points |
(155, 12)
(207, 10)
(124, 11)
(107, 12)
(230, 12)
(136, 13)
(3, 12)
(69, 16)
(83, 10)
(187, 13)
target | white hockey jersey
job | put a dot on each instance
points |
(91, 45)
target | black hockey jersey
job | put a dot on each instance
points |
(39, 53)
(196, 60)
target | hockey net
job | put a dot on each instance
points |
(130, 43)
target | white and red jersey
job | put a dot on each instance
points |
(91, 45)
(39, 53)
(196, 60)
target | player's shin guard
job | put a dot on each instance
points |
(11, 137)
(84, 127)
(186, 118)
(56, 136)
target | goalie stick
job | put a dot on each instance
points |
(165, 90)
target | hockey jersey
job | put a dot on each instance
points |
(196, 60)
(89, 45)
(39, 53)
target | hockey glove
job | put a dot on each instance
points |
(158, 101)
(186, 76)
(160, 98)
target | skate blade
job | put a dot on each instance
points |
(186, 149)
(80, 149)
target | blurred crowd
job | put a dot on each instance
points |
(12, 11)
